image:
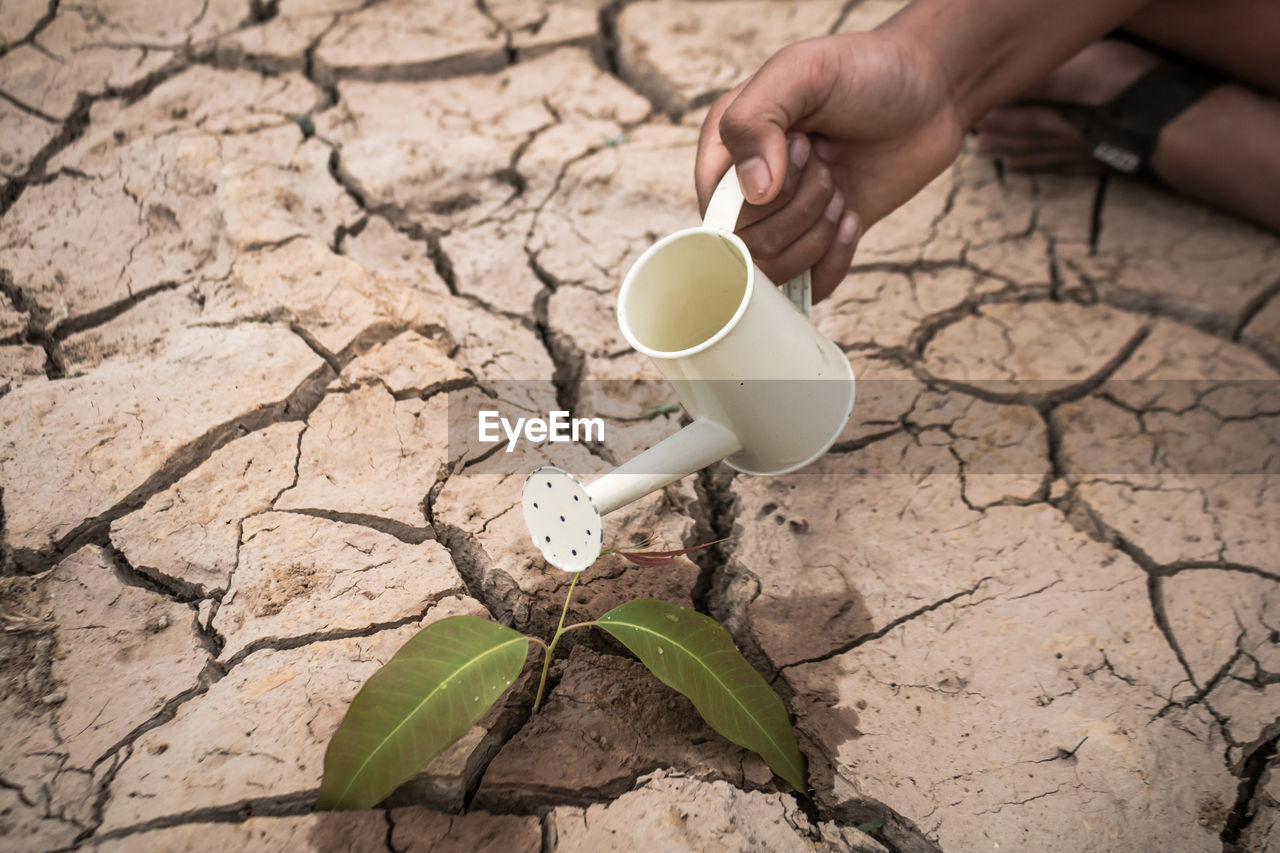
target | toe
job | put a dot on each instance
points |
(1070, 160)
(1029, 121)
(1000, 143)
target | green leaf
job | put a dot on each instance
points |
(426, 697)
(657, 410)
(693, 654)
(305, 124)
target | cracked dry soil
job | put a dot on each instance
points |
(250, 251)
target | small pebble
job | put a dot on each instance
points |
(57, 697)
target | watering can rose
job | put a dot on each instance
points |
(557, 426)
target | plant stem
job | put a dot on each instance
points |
(551, 649)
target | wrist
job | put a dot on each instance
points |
(929, 59)
(934, 94)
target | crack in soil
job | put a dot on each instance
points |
(130, 576)
(35, 333)
(282, 805)
(1095, 214)
(77, 119)
(1252, 770)
(607, 27)
(495, 590)
(298, 405)
(1085, 519)
(1046, 400)
(876, 635)
(281, 644)
(1253, 307)
(30, 110)
(213, 672)
(84, 322)
(38, 27)
(261, 11)
(406, 533)
(715, 514)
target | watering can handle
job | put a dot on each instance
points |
(722, 215)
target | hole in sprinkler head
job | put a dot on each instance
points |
(574, 552)
(548, 484)
(535, 505)
(588, 532)
(562, 518)
(548, 538)
(575, 497)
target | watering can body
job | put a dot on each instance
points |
(767, 393)
(735, 350)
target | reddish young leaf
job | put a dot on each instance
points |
(662, 558)
(650, 559)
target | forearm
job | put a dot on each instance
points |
(990, 50)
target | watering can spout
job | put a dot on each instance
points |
(697, 446)
(767, 393)
(564, 516)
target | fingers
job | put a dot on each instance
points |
(806, 226)
(833, 266)
(807, 195)
(1066, 162)
(1027, 121)
(1029, 138)
(753, 125)
(1027, 130)
(805, 192)
(826, 249)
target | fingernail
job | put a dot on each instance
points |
(753, 178)
(848, 230)
(835, 207)
(798, 151)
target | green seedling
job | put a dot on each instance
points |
(304, 123)
(444, 679)
(658, 410)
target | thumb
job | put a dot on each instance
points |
(754, 127)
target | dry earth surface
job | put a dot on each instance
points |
(253, 250)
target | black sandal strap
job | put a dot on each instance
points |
(1123, 133)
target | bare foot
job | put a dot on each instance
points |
(1031, 135)
(1220, 149)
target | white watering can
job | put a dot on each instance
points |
(766, 392)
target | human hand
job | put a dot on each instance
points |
(828, 137)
